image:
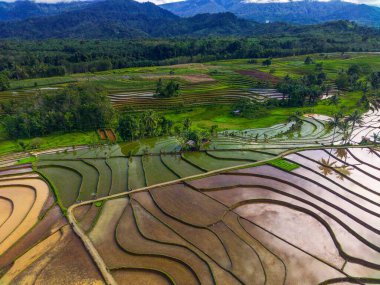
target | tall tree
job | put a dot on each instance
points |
(354, 118)
(334, 123)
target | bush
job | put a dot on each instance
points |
(170, 90)
(4, 82)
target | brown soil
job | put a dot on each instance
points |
(139, 277)
(87, 221)
(198, 78)
(245, 261)
(27, 208)
(164, 257)
(21, 176)
(71, 265)
(26, 268)
(188, 205)
(23, 199)
(111, 135)
(260, 75)
(102, 134)
(6, 210)
(191, 78)
(80, 212)
(196, 236)
(51, 222)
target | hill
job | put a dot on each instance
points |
(299, 12)
(124, 19)
(131, 20)
(21, 10)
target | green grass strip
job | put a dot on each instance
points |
(283, 164)
(30, 159)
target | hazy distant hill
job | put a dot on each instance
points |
(300, 12)
(21, 10)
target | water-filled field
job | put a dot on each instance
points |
(257, 225)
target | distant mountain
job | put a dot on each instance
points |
(21, 10)
(124, 19)
(130, 19)
(299, 12)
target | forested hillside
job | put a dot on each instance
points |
(124, 19)
(21, 10)
(31, 59)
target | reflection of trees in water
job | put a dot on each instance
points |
(341, 153)
(343, 170)
(373, 150)
(328, 167)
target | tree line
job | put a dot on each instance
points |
(33, 59)
(75, 108)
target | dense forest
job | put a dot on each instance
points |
(21, 59)
(76, 108)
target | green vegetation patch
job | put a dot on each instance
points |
(27, 160)
(283, 164)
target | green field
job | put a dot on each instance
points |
(208, 92)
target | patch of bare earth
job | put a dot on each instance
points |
(191, 78)
(260, 75)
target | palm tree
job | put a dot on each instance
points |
(364, 87)
(151, 122)
(187, 124)
(345, 126)
(355, 118)
(375, 137)
(335, 122)
(334, 100)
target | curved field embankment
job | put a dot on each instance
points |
(35, 239)
(318, 223)
(26, 198)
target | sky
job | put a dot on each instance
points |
(369, 2)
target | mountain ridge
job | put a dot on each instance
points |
(24, 9)
(133, 20)
(298, 12)
(123, 19)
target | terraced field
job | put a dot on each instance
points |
(35, 238)
(83, 177)
(274, 205)
(89, 174)
(225, 89)
(369, 126)
(258, 225)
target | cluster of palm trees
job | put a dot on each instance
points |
(345, 124)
